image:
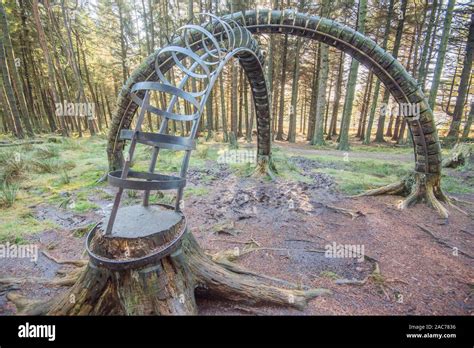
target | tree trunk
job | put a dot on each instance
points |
(233, 96)
(463, 84)
(49, 62)
(123, 49)
(281, 111)
(10, 94)
(379, 137)
(426, 45)
(10, 62)
(314, 94)
(467, 126)
(294, 93)
(8, 120)
(223, 109)
(337, 98)
(318, 135)
(351, 84)
(441, 55)
(365, 107)
(241, 100)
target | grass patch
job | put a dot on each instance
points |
(48, 151)
(352, 183)
(161, 198)
(202, 151)
(13, 166)
(408, 149)
(83, 206)
(8, 194)
(82, 231)
(196, 191)
(453, 184)
(329, 275)
(49, 165)
(17, 223)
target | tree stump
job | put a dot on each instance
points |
(155, 270)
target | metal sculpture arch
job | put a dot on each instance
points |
(401, 85)
(197, 62)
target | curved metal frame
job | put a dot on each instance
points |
(394, 76)
(206, 58)
(403, 87)
(114, 264)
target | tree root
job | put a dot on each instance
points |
(419, 187)
(443, 242)
(225, 258)
(228, 284)
(77, 263)
(68, 280)
(166, 288)
(265, 167)
(352, 213)
(391, 189)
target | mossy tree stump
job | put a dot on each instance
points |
(115, 283)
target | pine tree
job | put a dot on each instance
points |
(351, 84)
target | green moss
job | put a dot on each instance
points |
(382, 149)
(196, 191)
(82, 231)
(17, 223)
(453, 184)
(330, 275)
(352, 183)
(84, 206)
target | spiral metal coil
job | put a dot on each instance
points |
(197, 61)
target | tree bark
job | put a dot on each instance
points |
(337, 98)
(351, 84)
(441, 54)
(281, 111)
(467, 126)
(16, 83)
(463, 84)
(426, 45)
(294, 93)
(318, 135)
(379, 137)
(49, 62)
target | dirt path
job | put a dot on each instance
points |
(281, 228)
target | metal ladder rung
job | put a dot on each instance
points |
(163, 141)
(146, 181)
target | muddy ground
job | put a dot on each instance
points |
(415, 263)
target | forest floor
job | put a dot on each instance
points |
(281, 228)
